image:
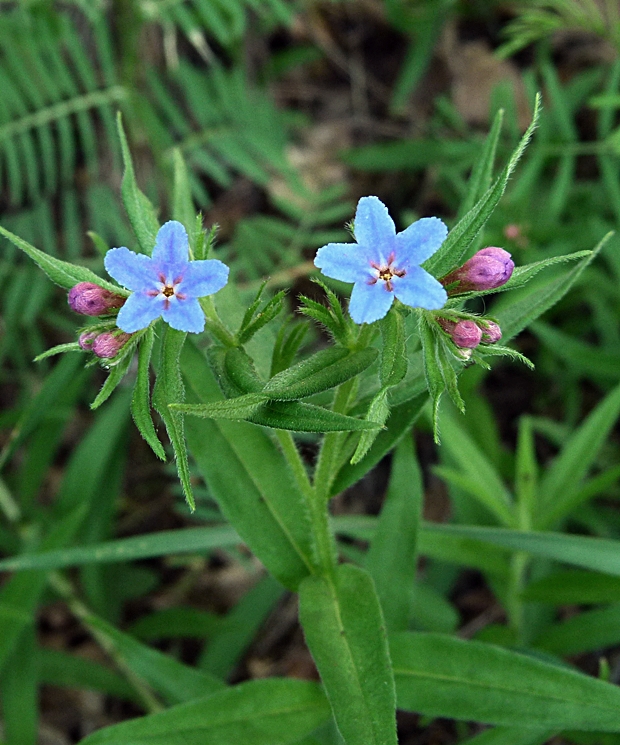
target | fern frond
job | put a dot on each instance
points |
(53, 97)
(226, 21)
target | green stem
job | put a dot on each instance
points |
(332, 444)
(214, 323)
(291, 453)
(326, 555)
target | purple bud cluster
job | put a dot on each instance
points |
(487, 269)
(106, 344)
(468, 334)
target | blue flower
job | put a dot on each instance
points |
(165, 284)
(384, 264)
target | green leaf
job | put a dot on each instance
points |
(583, 358)
(435, 543)
(302, 417)
(182, 202)
(599, 554)
(393, 363)
(392, 558)
(60, 272)
(588, 631)
(169, 389)
(324, 370)
(378, 412)
(162, 543)
(140, 211)
(523, 308)
(239, 627)
(345, 633)
(463, 234)
(432, 370)
(61, 669)
(482, 172)
(574, 587)
(399, 423)
(173, 680)
(141, 399)
(116, 374)
(441, 676)
(248, 476)
(260, 712)
(561, 483)
(291, 415)
(19, 684)
(483, 481)
(72, 346)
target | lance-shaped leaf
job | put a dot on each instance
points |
(291, 415)
(250, 479)
(141, 399)
(515, 313)
(463, 234)
(393, 362)
(324, 370)
(261, 712)
(140, 211)
(169, 388)
(60, 272)
(345, 632)
(441, 676)
(182, 202)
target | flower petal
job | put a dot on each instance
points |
(347, 262)
(204, 278)
(171, 252)
(419, 241)
(138, 312)
(131, 270)
(374, 228)
(185, 315)
(419, 289)
(369, 302)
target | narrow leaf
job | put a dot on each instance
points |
(392, 558)
(61, 272)
(441, 676)
(169, 389)
(141, 399)
(345, 633)
(260, 712)
(140, 211)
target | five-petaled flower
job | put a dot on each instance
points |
(165, 284)
(384, 264)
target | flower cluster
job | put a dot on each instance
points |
(165, 284)
(384, 264)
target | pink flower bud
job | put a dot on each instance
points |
(86, 340)
(487, 269)
(465, 334)
(91, 300)
(109, 343)
(491, 332)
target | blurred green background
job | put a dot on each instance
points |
(286, 113)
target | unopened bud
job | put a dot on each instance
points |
(491, 332)
(109, 344)
(465, 334)
(487, 269)
(91, 300)
(86, 339)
